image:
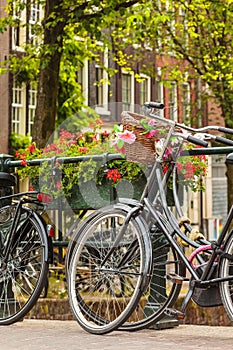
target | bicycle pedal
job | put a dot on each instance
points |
(175, 313)
(175, 278)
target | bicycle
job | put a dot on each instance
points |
(25, 253)
(98, 241)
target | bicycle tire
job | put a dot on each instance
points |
(226, 269)
(102, 298)
(157, 297)
(23, 275)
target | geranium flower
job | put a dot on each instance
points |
(113, 175)
(31, 148)
(23, 162)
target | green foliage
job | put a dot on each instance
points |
(19, 142)
(198, 34)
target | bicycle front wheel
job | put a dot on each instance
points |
(23, 274)
(108, 270)
(226, 270)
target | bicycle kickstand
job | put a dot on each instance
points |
(180, 314)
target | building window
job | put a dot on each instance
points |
(144, 91)
(34, 18)
(186, 103)
(80, 77)
(32, 97)
(17, 108)
(172, 101)
(99, 86)
(15, 36)
(16, 33)
(127, 91)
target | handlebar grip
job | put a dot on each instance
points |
(157, 105)
(197, 141)
(224, 141)
(226, 130)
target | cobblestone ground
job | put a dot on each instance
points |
(64, 335)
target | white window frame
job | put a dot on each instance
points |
(38, 11)
(147, 95)
(173, 113)
(18, 108)
(103, 109)
(18, 31)
(32, 97)
(129, 104)
(186, 103)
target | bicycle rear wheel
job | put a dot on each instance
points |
(226, 270)
(23, 274)
(108, 272)
(163, 290)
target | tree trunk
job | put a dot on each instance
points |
(45, 115)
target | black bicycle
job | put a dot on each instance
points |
(25, 250)
(120, 279)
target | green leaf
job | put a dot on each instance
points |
(120, 143)
(116, 128)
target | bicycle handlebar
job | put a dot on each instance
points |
(197, 141)
(224, 140)
(157, 105)
(225, 130)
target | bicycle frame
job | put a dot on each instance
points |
(153, 207)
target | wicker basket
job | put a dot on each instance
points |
(143, 149)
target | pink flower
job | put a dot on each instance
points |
(168, 152)
(127, 136)
(120, 150)
(58, 185)
(151, 133)
(151, 122)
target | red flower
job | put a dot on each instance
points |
(113, 175)
(31, 148)
(83, 150)
(165, 168)
(179, 167)
(23, 162)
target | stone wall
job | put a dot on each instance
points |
(59, 309)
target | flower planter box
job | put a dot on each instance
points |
(89, 195)
(92, 196)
